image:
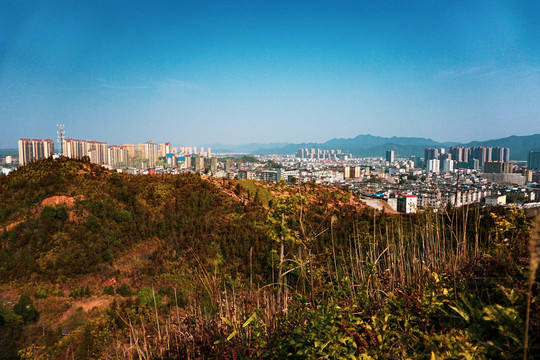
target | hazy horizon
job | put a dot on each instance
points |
(206, 144)
(246, 72)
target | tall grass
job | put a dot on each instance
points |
(405, 252)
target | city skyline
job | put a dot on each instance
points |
(238, 73)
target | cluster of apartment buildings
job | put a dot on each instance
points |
(436, 160)
(140, 156)
(321, 154)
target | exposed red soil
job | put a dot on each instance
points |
(64, 200)
(61, 200)
(87, 305)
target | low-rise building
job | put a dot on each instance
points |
(496, 200)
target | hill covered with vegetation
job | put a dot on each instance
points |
(96, 264)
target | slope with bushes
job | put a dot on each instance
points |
(121, 266)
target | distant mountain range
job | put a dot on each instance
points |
(370, 145)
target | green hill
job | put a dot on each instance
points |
(95, 264)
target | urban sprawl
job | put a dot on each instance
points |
(456, 176)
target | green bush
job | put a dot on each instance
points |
(146, 297)
(108, 290)
(122, 216)
(40, 295)
(124, 290)
(80, 292)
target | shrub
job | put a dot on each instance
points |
(146, 297)
(122, 216)
(80, 292)
(124, 290)
(108, 290)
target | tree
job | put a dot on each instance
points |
(10, 333)
(48, 216)
(26, 310)
(61, 213)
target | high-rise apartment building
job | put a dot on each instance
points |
(430, 154)
(35, 149)
(433, 165)
(100, 152)
(151, 152)
(133, 154)
(500, 154)
(25, 151)
(390, 156)
(352, 172)
(75, 148)
(95, 150)
(533, 161)
(142, 151)
(447, 165)
(460, 154)
(498, 167)
(118, 156)
(481, 154)
(161, 151)
(48, 148)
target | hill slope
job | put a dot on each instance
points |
(95, 264)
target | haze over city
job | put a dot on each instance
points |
(239, 72)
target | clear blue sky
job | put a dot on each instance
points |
(194, 72)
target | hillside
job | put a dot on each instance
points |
(95, 264)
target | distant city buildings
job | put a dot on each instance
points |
(464, 157)
(320, 154)
(459, 176)
(96, 151)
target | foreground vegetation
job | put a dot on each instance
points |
(97, 265)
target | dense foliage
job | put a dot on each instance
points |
(188, 267)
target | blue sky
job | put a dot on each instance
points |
(194, 72)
